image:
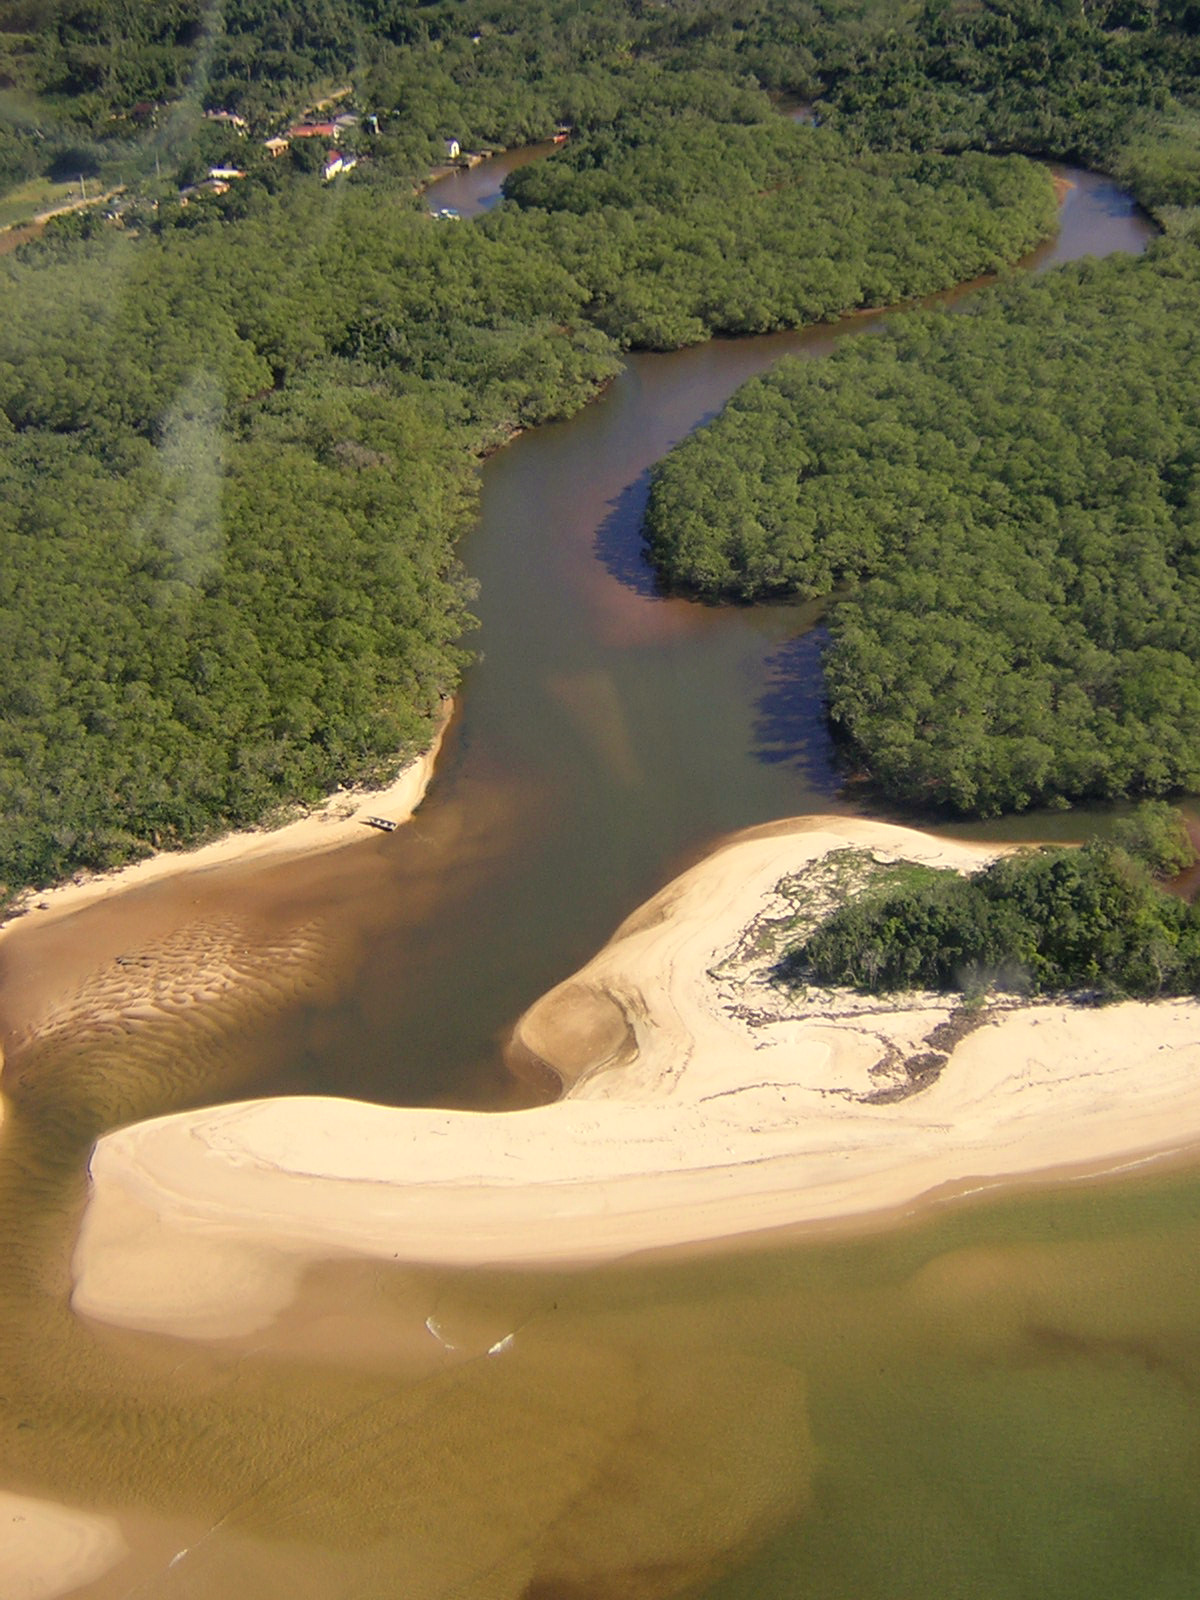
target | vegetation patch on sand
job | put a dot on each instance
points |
(1089, 923)
(724, 1106)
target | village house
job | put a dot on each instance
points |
(329, 131)
(230, 119)
(226, 173)
(338, 161)
(276, 147)
(209, 186)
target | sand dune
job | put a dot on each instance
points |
(700, 1105)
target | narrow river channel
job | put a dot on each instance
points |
(997, 1401)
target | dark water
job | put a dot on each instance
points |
(473, 190)
(998, 1402)
(608, 735)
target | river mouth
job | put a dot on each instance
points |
(607, 736)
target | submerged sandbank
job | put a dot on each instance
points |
(700, 1105)
(129, 959)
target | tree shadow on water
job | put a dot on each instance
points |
(620, 544)
(790, 726)
(620, 547)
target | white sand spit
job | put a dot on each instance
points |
(700, 1107)
(48, 1549)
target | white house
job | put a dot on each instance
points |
(338, 161)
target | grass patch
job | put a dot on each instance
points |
(805, 899)
(24, 202)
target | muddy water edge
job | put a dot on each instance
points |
(997, 1401)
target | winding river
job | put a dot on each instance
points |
(995, 1401)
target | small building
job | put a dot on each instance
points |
(227, 173)
(230, 119)
(276, 147)
(453, 149)
(338, 161)
(209, 186)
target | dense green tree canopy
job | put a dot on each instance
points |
(1051, 921)
(680, 226)
(1015, 489)
(227, 575)
(237, 437)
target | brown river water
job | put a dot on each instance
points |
(997, 1399)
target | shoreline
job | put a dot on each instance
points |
(693, 1113)
(337, 821)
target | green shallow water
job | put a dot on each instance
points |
(1004, 1404)
(1000, 1399)
(997, 1399)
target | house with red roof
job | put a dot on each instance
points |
(328, 131)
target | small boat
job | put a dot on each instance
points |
(385, 823)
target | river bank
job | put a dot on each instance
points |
(339, 820)
(693, 1113)
(606, 733)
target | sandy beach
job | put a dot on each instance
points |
(338, 821)
(700, 1104)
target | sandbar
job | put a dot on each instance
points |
(48, 1549)
(699, 1104)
